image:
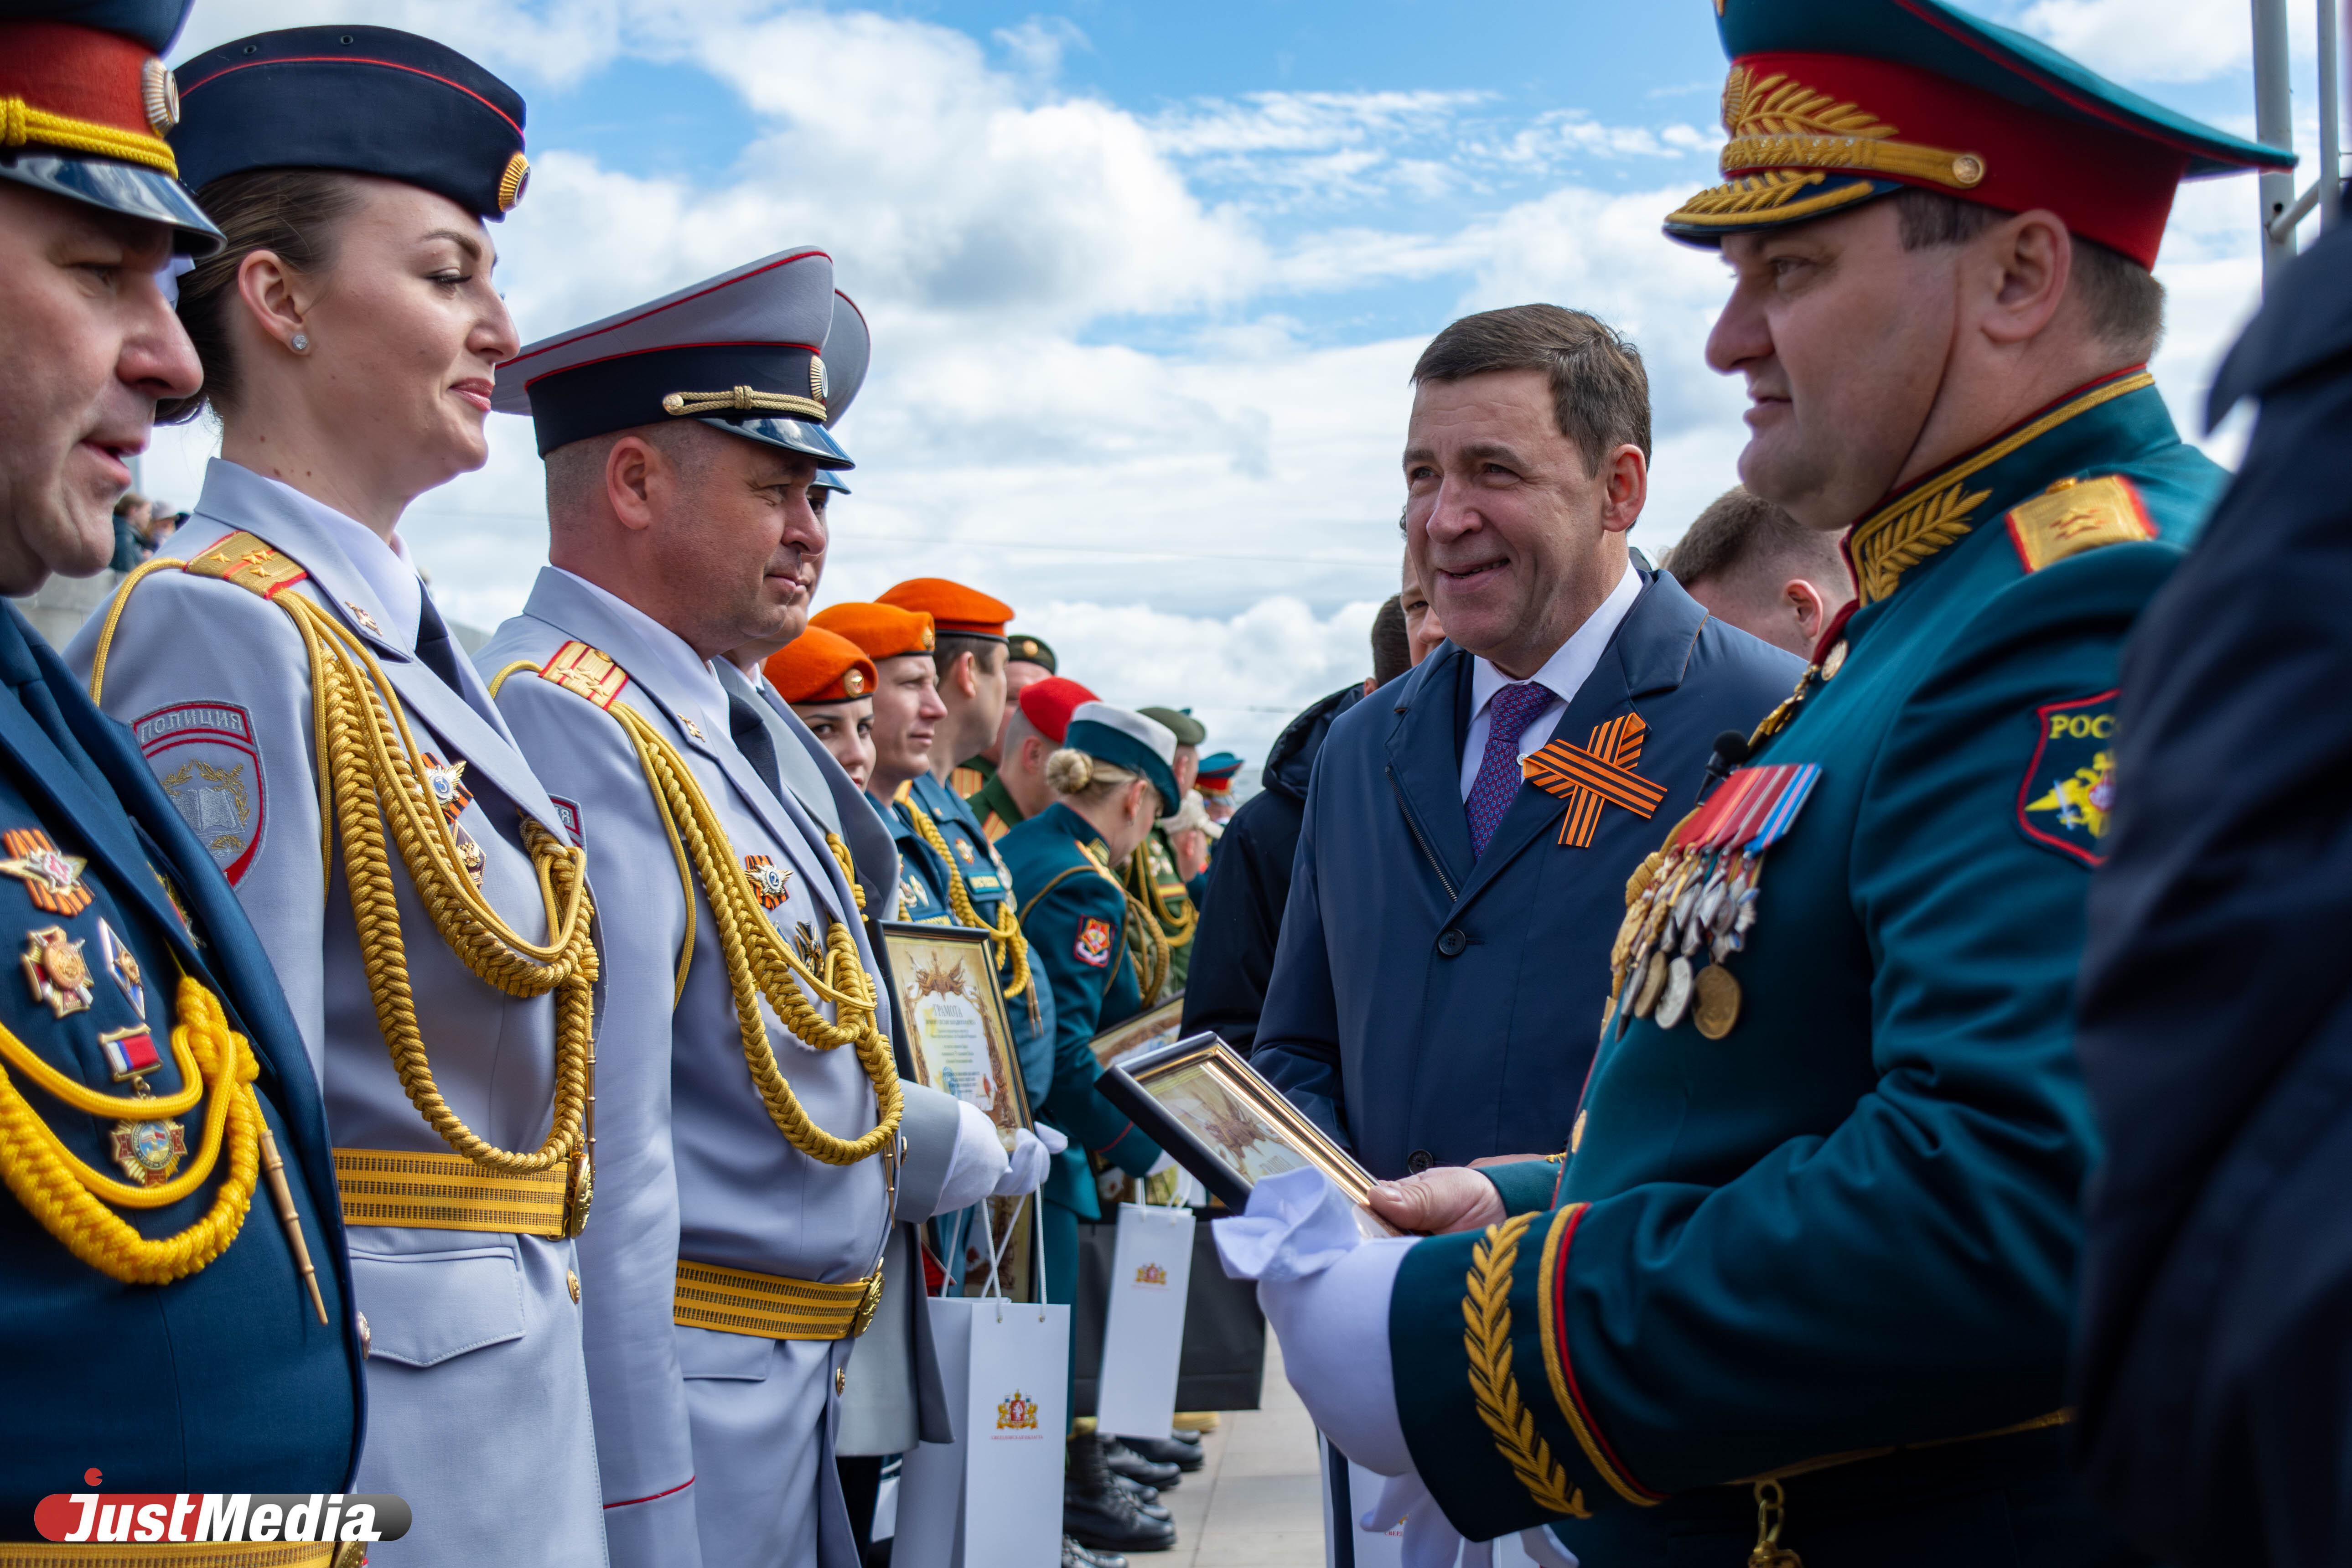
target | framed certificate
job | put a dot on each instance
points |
(1145, 1031)
(1226, 1124)
(959, 1040)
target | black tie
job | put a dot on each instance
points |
(751, 739)
(436, 648)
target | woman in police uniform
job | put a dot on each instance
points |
(1112, 779)
(297, 693)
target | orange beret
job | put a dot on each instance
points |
(951, 607)
(819, 665)
(881, 631)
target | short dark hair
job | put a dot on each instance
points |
(1392, 654)
(2124, 300)
(1739, 527)
(950, 646)
(1600, 392)
(297, 215)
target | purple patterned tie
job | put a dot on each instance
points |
(1509, 713)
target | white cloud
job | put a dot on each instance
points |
(2190, 40)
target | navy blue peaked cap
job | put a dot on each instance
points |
(749, 352)
(365, 101)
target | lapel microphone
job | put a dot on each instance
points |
(1730, 751)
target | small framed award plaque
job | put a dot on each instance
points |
(1226, 1124)
(959, 1040)
(1145, 1031)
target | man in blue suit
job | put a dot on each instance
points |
(174, 1292)
(1461, 872)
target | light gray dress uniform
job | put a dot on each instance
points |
(718, 1444)
(735, 1248)
(898, 1397)
(476, 1390)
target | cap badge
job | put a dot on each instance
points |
(738, 400)
(929, 639)
(159, 94)
(816, 378)
(513, 183)
(853, 682)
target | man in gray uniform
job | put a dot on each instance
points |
(751, 1169)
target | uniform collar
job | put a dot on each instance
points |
(1922, 520)
(1064, 821)
(377, 583)
(677, 665)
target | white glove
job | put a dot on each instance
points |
(978, 1164)
(1030, 1161)
(1325, 1289)
(1053, 1137)
(1432, 1541)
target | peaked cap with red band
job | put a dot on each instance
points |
(362, 100)
(952, 607)
(1833, 103)
(750, 351)
(1047, 704)
(86, 104)
(820, 666)
(882, 631)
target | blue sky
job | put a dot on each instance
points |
(1146, 280)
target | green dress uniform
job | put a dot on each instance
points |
(1818, 1224)
(1075, 920)
(991, 804)
(1150, 878)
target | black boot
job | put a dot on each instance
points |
(1100, 1514)
(1077, 1556)
(1127, 1462)
(1183, 1452)
(1147, 1498)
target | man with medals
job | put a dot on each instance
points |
(1150, 874)
(1799, 1291)
(177, 1310)
(757, 1144)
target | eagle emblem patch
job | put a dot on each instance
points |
(1094, 943)
(205, 757)
(2068, 797)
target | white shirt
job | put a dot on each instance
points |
(1562, 675)
(232, 490)
(689, 671)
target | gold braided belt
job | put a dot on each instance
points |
(771, 1306)
(370, 774)
(447, 1192)
(186, 1555)
(760, 962)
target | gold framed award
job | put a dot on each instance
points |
(959, 1039)
(1145, 1031)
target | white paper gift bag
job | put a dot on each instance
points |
(1143, 1328)
(1347, 1544)
(993, 1499)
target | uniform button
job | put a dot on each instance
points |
(1420, 1160)
(841, 1380)
(367, 1340)
(1452, 941)
(572, 1279)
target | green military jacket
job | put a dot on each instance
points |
(1151, 876)
(992, 803)
(1847, 1221)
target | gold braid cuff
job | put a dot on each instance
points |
(69, 1199)
(1494, 1383)
(760, 962)
(369, 773)
(22, 125)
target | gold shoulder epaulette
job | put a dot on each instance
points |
(2075, 515)
(251, 565)
(585, 672)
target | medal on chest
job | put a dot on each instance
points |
(446, 782)
(770, 882)
(1698, 904)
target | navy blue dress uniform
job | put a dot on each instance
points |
(1428, 1005)
(746, 1185)
(1083, 937)
(1802, 1290)
(177, 1299)
(2215, 1029)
